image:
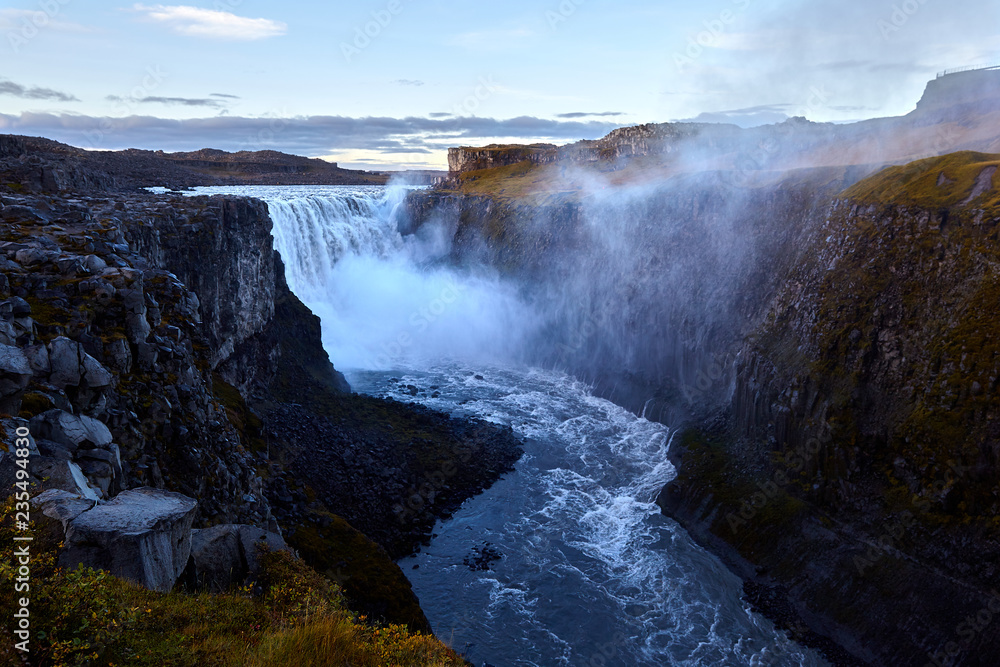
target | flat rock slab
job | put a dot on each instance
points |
(143, 535)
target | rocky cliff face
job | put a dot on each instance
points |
(151, 342)
(116, 337)
(864, 450)
(497, 155)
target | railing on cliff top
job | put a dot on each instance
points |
(968, 68)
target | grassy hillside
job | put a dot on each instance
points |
(294, 616)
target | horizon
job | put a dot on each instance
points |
(236, 75)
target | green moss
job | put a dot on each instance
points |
(246, 422)
(372, 583)
(33, 404)
(937, 182)
(47, 314)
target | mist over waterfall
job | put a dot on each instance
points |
(386, 300)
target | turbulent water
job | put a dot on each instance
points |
(567, 560)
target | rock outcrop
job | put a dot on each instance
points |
(143, 535)
(44, 165)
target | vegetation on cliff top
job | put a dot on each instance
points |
(956, 179)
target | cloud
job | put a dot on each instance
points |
(311, 136)
(408, 82)
(440, 114)
(171, 101)
(210, 23)
(14, 19)
(491, 40)
(750, 117)
(34, 93)
(584, 114)
(224, 95)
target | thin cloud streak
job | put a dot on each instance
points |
(311, 136)
(34, 93)
(213, 24)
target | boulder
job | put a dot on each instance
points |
(94, 374)
(119, 355)
(15, 374)
(59, 473)
(64, 358)
(252, 539)
(53, 449)
(143, 535)
(38, 359)
(8, 335)
(72, 366)
(72, 431)
(217, 558)
(226, 555)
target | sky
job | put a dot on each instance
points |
(391, 84)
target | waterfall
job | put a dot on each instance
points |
(385, 300)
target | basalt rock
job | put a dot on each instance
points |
(143, 535)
